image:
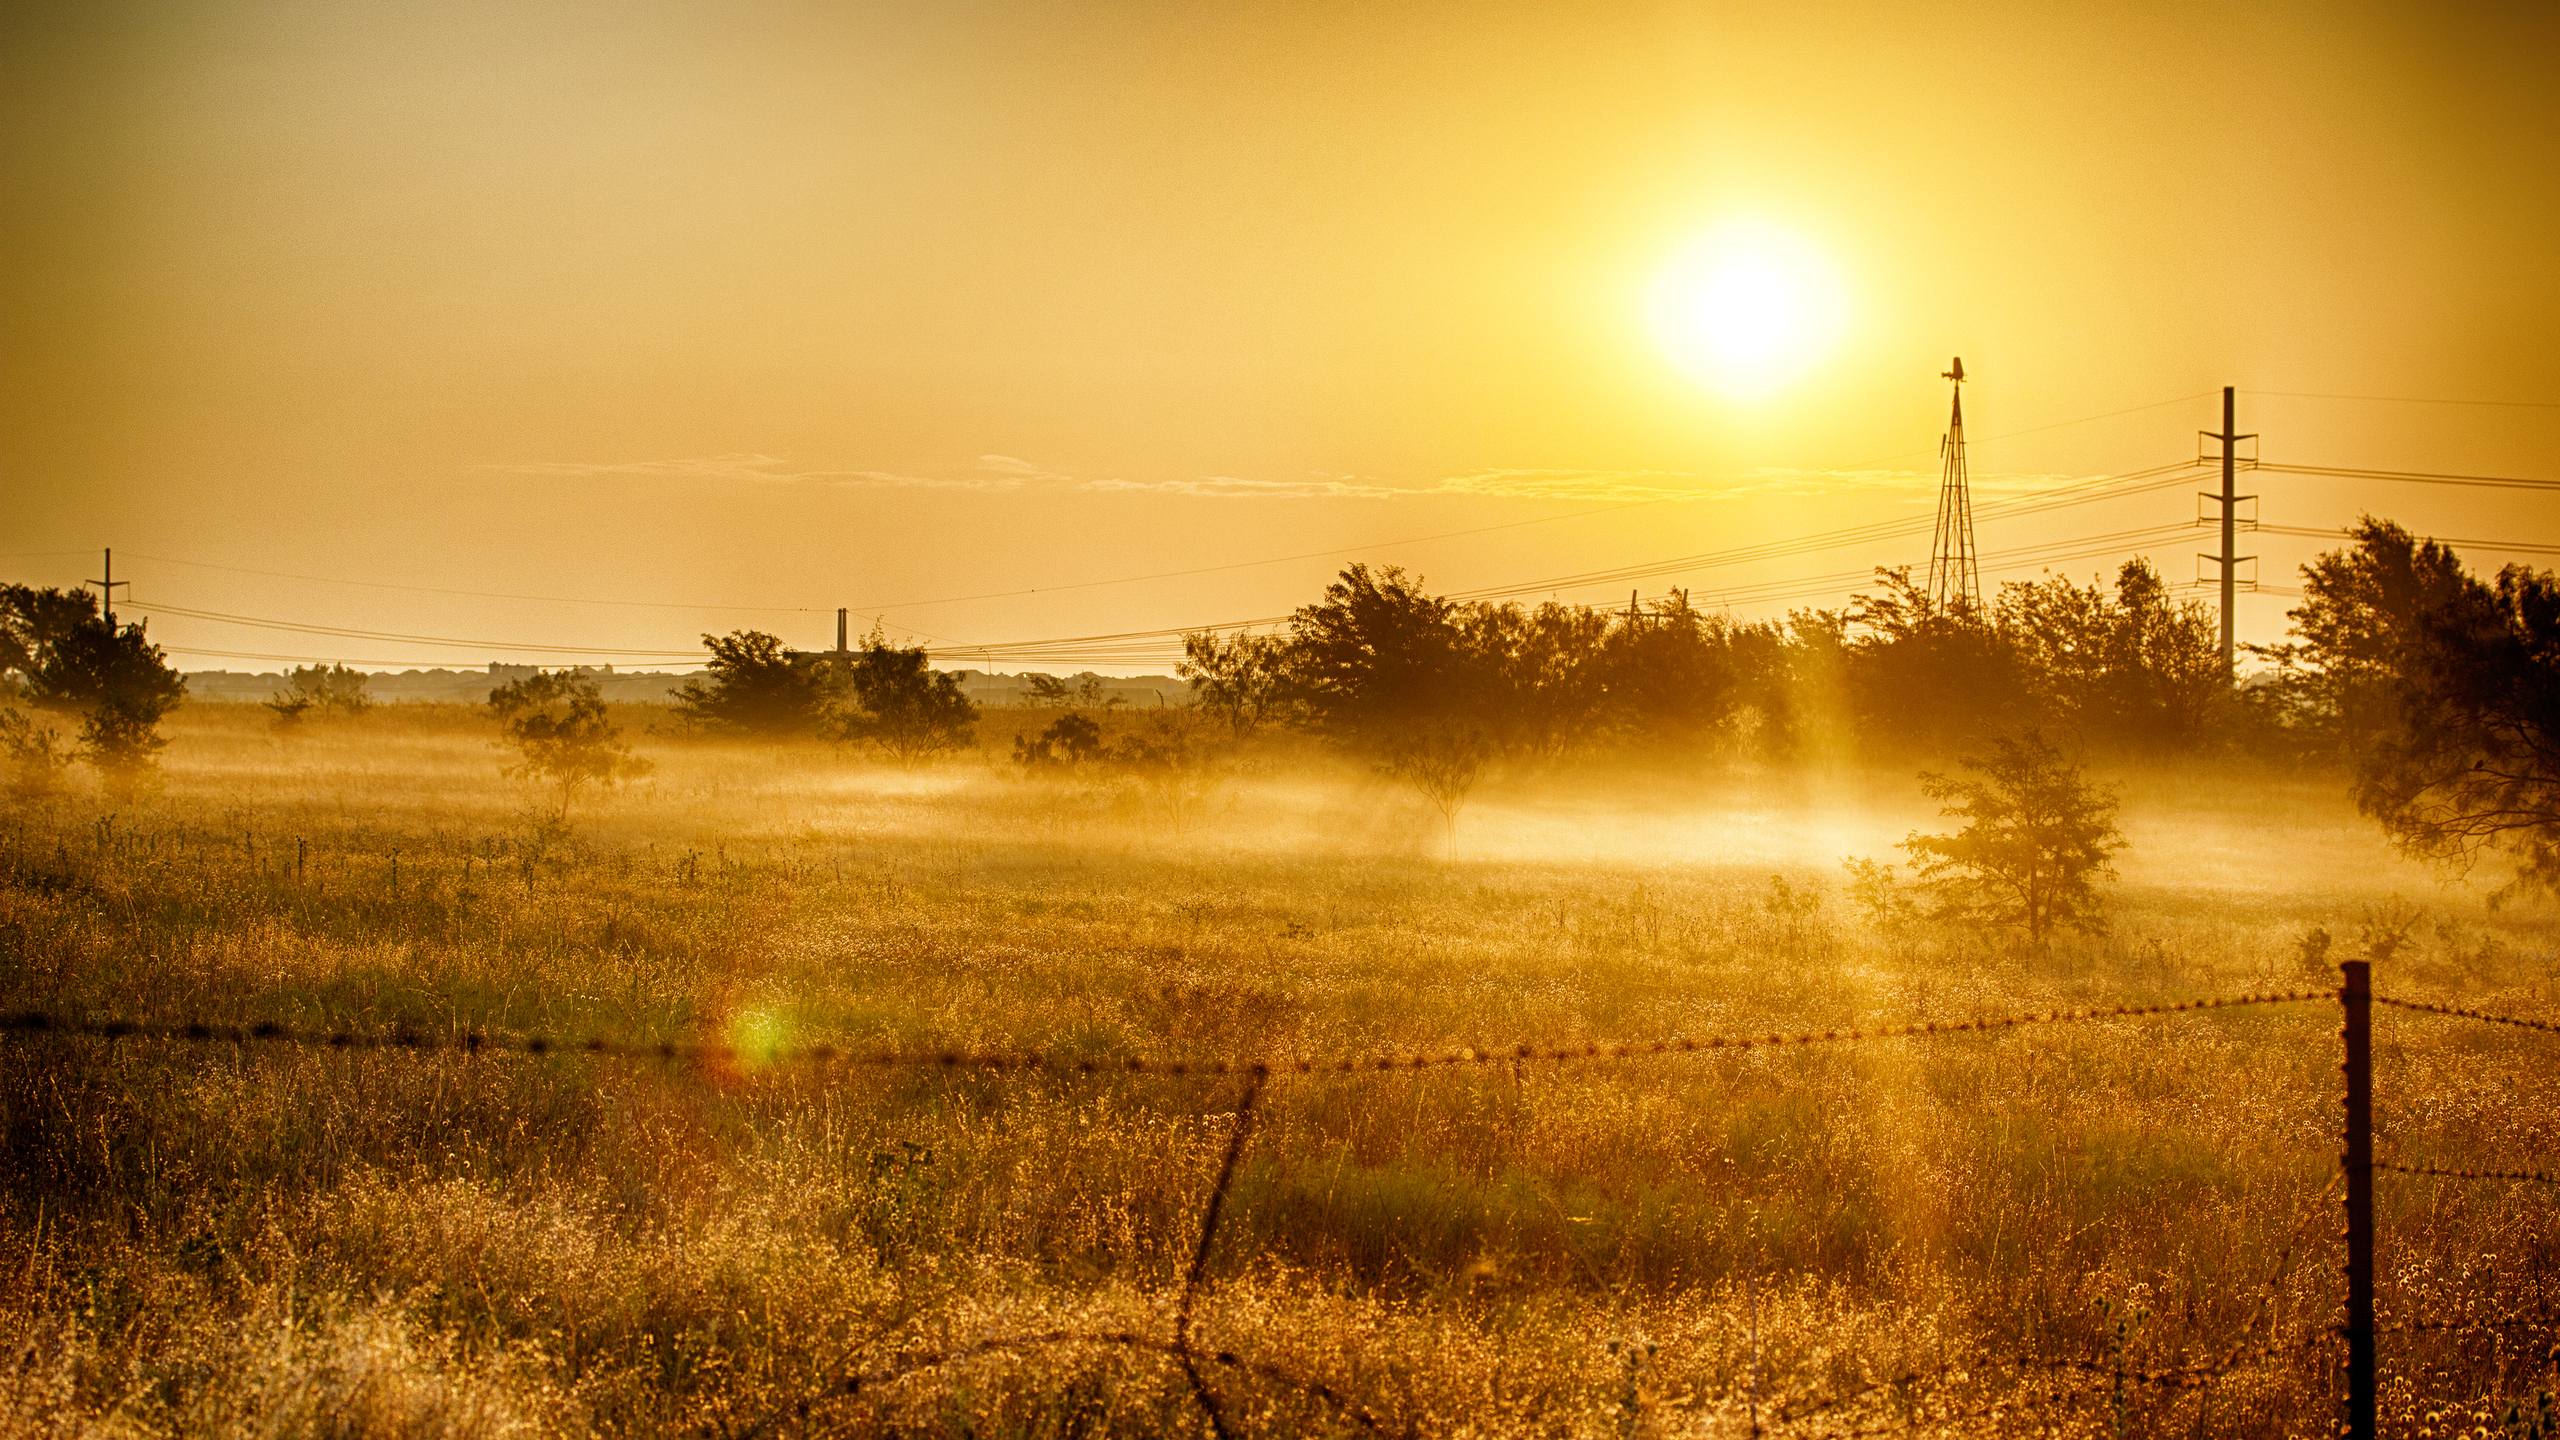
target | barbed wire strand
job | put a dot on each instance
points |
(702, 1052)
(1180, 1347)
(2548, 1027)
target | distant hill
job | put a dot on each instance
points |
(636, 687)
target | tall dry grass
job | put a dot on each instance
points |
(209, 1239)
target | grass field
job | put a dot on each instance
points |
(1959, 1235)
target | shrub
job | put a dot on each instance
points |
(327, 689)
(1443, 765)
(34, 750)
(1070, 741)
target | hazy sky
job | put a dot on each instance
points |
(818, 305)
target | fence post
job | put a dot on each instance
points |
(2355, 994)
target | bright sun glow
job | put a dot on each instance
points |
(1746, 309)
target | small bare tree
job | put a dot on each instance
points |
(1444, 765)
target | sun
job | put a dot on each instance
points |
(1746, 309)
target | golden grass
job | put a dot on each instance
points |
(215, 1240)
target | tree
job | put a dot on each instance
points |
(2135, 668)
(1532, 681)
(902, 705)
(562, 735)
(1237, 677)
(1925, 674)
(58, 654)
(1376, 658)
(2360, 621)
(1081, 692)
(2468, 759)
(754, 685)
(2035, 840)
(1673, 675)
(328, 689)
(1442, 763)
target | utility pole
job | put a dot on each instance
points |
(2228, 560)
(1635, 617)
(107, 587)
(2355, 993)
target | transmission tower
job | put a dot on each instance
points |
(1954, 577)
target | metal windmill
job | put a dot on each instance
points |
(1954, 577)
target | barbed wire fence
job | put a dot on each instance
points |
(1179, 1344)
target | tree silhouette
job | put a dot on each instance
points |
(1377, 657)
(2035, 840)
(58, 654)
(754, 685)
(2135, 668)
(2469, 759)
(1240, 678)
(563, 737)
(901, 705)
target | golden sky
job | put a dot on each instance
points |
(828, 304)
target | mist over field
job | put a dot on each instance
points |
(1907, 1232)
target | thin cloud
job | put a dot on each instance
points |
(1010, 473)
(1230, 487)
(748, 469)
(1627, 485)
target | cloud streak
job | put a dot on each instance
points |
(994, 473)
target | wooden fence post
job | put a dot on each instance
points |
(2355, 993)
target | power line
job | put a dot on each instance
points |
(2409, 399)
(1487, 529)
(1113, 647)
(354, 633)
(877, 608)
(2415, 477)
(2077, 492)
(433, 663)
(2504, 546)
(475, 594)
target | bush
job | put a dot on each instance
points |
(1070, 741)
(34, 751)
(326, 689)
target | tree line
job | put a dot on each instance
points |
(1381, 665)
(2436, 688)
